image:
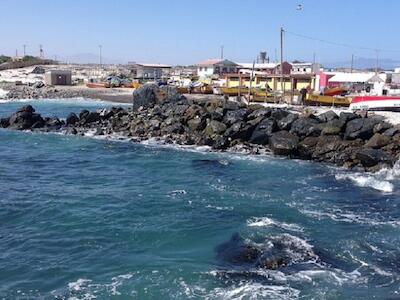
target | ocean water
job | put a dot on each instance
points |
(83, 218)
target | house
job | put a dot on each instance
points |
(58, 77)
(265, 68)
(271, 81)
(350, 79)
(150, 71)
(212, 67)
(305, 68)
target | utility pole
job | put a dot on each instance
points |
(41, 55)
(100, 58)
(314, 58)
(251, 81)
(377, 61)
(352, 63)
(282, 85)
(222, 52)
(16, 53)
(24, 46)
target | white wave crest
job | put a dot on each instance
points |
(381, 180)
(265, 222)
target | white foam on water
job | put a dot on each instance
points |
(265, 222)
(79, 284)
(347, 217)
(252, 291)
(3, 93)
(381, 180)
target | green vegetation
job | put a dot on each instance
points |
(29, 58)
(4, 59)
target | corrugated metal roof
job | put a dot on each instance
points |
(209, 62)
(352, 77)
(153, 65)
(258, 66)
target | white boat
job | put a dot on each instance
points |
(377, 103)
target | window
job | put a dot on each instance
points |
(205, 69)
(201, 69)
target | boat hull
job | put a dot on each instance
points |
(327, 100)
(375, 103)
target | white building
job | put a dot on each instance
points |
(211, 67)
(305, 68)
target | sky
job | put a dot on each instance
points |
(188, 31)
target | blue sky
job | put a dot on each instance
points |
(187, 31)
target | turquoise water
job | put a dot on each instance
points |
(83, 218)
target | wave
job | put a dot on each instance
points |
(265, 222)
(381, 180)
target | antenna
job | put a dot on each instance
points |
(24, 46)
(222, 52)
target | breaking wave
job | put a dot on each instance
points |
(381, 180)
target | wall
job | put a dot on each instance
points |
(205, 71)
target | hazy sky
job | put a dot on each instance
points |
(187, 31)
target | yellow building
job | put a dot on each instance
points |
(290, 82)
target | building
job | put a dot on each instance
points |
(265, 68)
(150, 71)
(271, 81)
(305, 68)
(58, 77)
(351, 79)
(212, 67)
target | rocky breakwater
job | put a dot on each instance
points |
(348, 139)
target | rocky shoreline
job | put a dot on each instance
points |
(40, 91)
(353, 140)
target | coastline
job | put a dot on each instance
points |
(351, 140)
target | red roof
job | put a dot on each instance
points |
(209, 62)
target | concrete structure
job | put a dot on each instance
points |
(305, 68)
(58, 77)
(150, 71)
(265, 68)
(212, 67)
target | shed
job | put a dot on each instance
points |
(58, 77)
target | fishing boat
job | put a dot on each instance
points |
(377, 103)
(335, 91)
(95, 85)
(327, 100)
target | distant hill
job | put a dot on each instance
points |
(366, 63)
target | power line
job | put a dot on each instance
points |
(339, 44)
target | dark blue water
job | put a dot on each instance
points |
(82, 218)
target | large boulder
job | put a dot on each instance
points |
(378, 141)
(283, 143)
(145, 96)
(239, 131)
(306, 147)
(91, 117)
(362, 128)
(279, 114)
(196, 124)
(372, 157)
(24, 118)
(306, 127)
(326, 147)
(328, 116)
(233, 116)
(333, 127)
(348, 116)
(72, 119)
(215, 128)
(263, 131)
(286, 122)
